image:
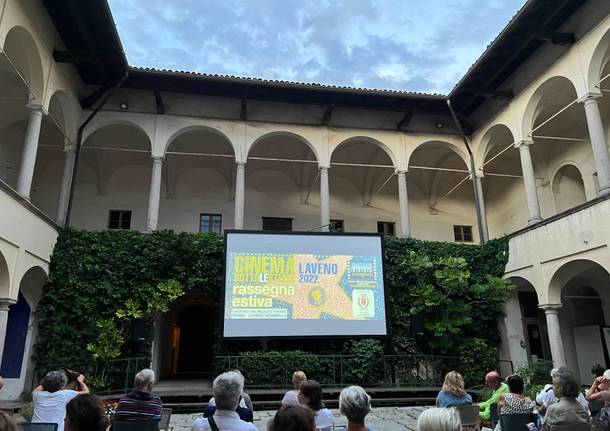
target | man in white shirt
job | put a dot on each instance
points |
(51, 397)
(227, 389)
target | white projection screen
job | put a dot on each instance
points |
(303, 284)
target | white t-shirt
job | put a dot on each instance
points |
(225, 421)
(547, 397)
(324, 419)
(291, 399)
(50, 407)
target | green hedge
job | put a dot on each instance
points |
(455, 288)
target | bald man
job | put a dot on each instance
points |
(494, 382)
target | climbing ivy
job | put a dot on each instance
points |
(101, 281)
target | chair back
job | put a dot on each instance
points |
(135, 426)
(166, 415)
(469, 415)
(38, 427)
(493, 410)
(575, 427)
(516, 421)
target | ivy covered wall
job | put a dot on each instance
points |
(100, 282)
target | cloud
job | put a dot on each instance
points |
(390, 44)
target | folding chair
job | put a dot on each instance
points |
(166, 415)
(134, 426)
(469, 416)
(493, 409)
(516, 421)
(38, 427)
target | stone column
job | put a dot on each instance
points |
(4, 307)
(598, 142)
(66, 182)
(529, 180)
(403, 202)
(478, 178)
(552, 322)
(154, 195)
(30, 149)
(324, 200)
(240, 184)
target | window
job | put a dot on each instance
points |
(210, 223)
(119, 219)
(385, 227)
(277, 224)
(462, 233)
(336, 226)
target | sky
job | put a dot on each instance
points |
(408, 45)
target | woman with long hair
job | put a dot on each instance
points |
(310, 395)
(453, 393)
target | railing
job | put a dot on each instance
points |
(331, 370)
(115, 376)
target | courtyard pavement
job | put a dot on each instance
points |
(380, 419)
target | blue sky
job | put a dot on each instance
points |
(411, 45)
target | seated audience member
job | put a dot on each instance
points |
(245, 401)
(86, 413)
(293, 418)
(453, 393)
(546, 396)
(567, 411)
(514, 401)
(227, 390)
(292, 397)
(244, 413)
(439, 419)
(310, 395)
(6, 422)
(596, 393)
(355, 404)
(140, 404)
(51, 397)
(494, 382)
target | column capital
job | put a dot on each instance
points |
(523, 144)
(5, 303)
(157, 159)
(401, 171)
(240, 164)
(323, 168)
(70, 149)
(550, 308)
(37, 108)
(479, 173)
(589, 97)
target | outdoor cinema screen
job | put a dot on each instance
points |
(303, 284)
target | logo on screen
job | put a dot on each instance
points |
(317, 297)
(363, 303)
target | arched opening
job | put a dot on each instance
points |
(186, 334)
(282, 184)
(198, 182)
(364, 190)
(568, 188)
(22, 53)
(503, 189)
(5, 283)
(559, 130)
(441, 199)
(113, 179)
(583, 286)
(16, 368)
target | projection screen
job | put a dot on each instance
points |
(303, 284)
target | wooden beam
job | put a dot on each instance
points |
(90, 100)
(498, 95)
(62, 56)
(562, 39)
(159, 102)
(243, 113)
(404, 122)
(328, 114)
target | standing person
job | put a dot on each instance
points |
(140, 404)
(227, 389)
(514, 401)
(50, 398)
(310, 395)
(355, 404)
(453, 393)
(86, 413)
(292, 397)
(494, 382)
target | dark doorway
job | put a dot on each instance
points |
(191, 340)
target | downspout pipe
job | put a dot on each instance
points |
(477, 198)
(79, 143)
